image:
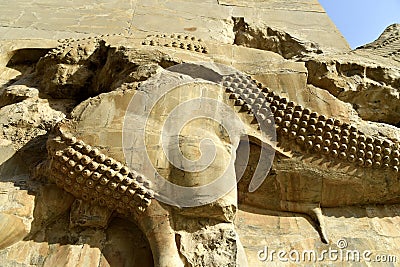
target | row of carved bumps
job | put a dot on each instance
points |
(85, 39)
(316, 133)
(90, 175)
(186, 42)
(66, 44)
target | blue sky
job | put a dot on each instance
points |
(362, 21)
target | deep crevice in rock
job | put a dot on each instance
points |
(363, 85)
(26, 56)
(263, 37)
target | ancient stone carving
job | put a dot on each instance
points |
(307, 142)
(181, 41)
(314, 132)
(92, 176)
(83, 46)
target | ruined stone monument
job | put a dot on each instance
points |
(187, 133)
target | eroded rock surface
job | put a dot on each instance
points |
(69, 198)
(367, 77)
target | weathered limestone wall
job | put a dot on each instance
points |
(211, 19)
(113, 50)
